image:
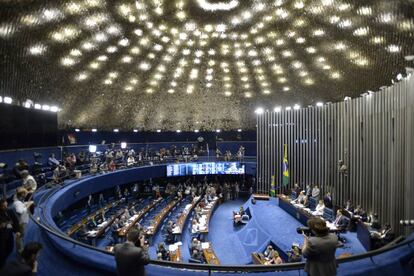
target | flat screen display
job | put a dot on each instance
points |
(205, 168)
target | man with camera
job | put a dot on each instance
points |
(319, 249)
(132, 256)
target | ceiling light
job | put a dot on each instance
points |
(218, 130)
(296, 107)
(178, 130)
(45, 107)
(239, 130)
(347, 98)
(37, 106)
(54, 108)
(277, 109)
(135, 130)
(259, 110)
(77, 129)
(94, 130)
(319, 104)
(158, 130)
(7, 100)
(196, 131)
(288, 108)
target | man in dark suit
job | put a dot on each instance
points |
(8, 225)
(131, 256)
(327, 200)
(26, 263)
(341, 222)
(320, 249)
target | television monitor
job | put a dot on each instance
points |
(205, 168)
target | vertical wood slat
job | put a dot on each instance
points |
(371, 134)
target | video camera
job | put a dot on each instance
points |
(304, 230)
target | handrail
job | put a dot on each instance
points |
(233, 268)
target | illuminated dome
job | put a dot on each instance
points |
(197, 64)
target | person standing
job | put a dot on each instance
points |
(8, 225)
(132, 256)
(320, 249)
(26, 263)
(22, 210)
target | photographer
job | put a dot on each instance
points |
(320, 249)
(132, 256)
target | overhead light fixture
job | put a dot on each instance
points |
(296, 107)
(218, 130)
(399, 77)
(123, 145)
(259, 110)
(347, 98)
(7, 100)
(158, 130)
(1, 99)
(239, 130)
(27, 104)
(319, 104)
(409, 58)
(45, 107)
(135, 130)
(196, 131)
(37, 106)
(116, 130)
(92, 148)
(54, 108)
(178, 130)
(277, 109)
(94, 130)
(288, 108)
(77, 129)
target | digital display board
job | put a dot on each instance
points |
(205, 168)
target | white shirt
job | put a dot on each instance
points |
(30, 183)
(21, 210)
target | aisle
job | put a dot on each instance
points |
(223, 234)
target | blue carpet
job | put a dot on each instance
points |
(234, 245)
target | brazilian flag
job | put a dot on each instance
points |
(273, 187)
(285, 167)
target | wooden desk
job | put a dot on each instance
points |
(84, 221)
(160, 217)
(175, 256)
(256, 259)
(209, 212)
(124, 230)
(261, 196)
(210, 256)
(184, 215)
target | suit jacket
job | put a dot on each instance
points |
(320, 254)
(130, 260)
(342, 222)
(328, 201)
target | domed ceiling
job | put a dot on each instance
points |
(197, 64)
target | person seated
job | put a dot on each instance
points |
(162, 252)
(296, 189)
(341, 222)
(319, 209)
(268, 252)
(238, 216)
(315, 192)
(115, 226)
(374, 222)
(52, 161)
(349, 207)
(300, 198)
(111, 166)
(195, 244)
(274, 258)
(295, 255)
(20, 166)
(29, 183)
(130, 160)
(195, 227)
(360, 212)
(327, 200)
(305, 201)
(197, 255)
